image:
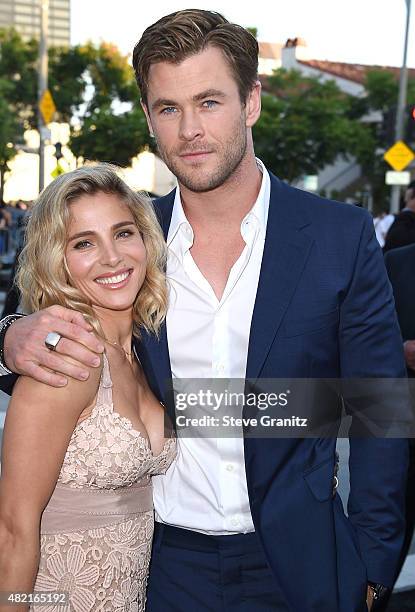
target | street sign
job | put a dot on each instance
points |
(47, 106)
(397, 178)
(399, 156)
(57, 171)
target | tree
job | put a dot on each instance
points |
(381, 95)
(113, 127)
(11, 130)
(115, 138)
(304, 125)
(93, 88)
(18, 68)
(110, 75)
(18, 65)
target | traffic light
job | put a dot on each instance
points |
(387, 128)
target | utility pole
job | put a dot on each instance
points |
(400, 111)
(42, 85)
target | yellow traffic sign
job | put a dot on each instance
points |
(47, 106)
(57, 171)
(399, 156)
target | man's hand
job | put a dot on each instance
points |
(25, 351)
(369, 598)
(409, 352)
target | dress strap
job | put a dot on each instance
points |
(104, 396)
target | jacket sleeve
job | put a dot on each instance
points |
(7, 382)
(371, 347)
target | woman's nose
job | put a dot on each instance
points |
(111, 255)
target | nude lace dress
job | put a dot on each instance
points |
(97, 528)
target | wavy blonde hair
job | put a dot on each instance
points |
(42, 275)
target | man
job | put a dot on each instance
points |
(266, 281)
(382, 224)
(400, 265)
(402, 231)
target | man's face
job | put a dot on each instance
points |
(200, 125)
(410, 199)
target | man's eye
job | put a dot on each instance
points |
(210, 103)
(169, 110)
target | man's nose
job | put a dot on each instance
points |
(190, 125)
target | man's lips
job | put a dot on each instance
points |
(192, 155)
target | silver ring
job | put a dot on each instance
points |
(51, 340)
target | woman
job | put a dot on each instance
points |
(77, 461)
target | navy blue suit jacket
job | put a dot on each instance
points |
(324, 309)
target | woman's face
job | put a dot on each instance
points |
(105, 254)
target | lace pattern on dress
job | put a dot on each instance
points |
(103, 568)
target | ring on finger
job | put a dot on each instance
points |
(51, 340)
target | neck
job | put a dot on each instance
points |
(117, 326)
(229, 202)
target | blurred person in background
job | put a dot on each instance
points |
(402, 230)
(5, 223)
(382, 224)
(400, 265)
(20, 215)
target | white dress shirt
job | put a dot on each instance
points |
(205, 489)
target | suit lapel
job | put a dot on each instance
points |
(286, 251)
(154, 352)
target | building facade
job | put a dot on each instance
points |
(24, 16)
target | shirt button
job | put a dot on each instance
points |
(235, 522)
(229, 467)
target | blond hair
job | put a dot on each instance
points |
(42, 275)
(184, 33)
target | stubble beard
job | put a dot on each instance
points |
(229, 157)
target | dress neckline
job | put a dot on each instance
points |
(105, 398)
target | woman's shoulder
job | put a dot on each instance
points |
(76, 393)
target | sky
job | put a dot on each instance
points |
(356, 31)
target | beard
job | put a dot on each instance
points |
(199, 179)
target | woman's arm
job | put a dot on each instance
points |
(39, 423)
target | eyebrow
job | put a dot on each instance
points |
(208, 93)
(91, 232)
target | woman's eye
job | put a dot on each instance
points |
(82, 245)
(124, 234)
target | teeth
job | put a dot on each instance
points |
(112, 280)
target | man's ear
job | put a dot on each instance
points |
(145, 109)
(253, 105)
